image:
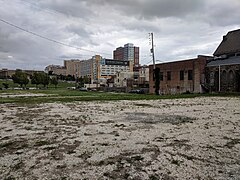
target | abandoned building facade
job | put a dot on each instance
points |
(223, 71)
(217, 73)
(180, 76)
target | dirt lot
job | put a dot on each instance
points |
(163, 139)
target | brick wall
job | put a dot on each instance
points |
(192, 71)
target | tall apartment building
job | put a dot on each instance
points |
(86, 68)
(127, 53)
(72, 67)
(118, 54)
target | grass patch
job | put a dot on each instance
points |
(61, 84)
(66, 95)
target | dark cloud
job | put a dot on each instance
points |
(225, 14)
(182, 29)
(73, 8)
(152, 8)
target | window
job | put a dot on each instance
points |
(161, 76)
(190, 75)
(230, 76)
(169, 75)
(181, 75)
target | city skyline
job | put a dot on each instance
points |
(181, 30)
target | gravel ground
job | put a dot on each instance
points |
(159, 139)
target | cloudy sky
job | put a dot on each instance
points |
(182, 29)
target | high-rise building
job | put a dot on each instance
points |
(118, 54)
(136, 56)
(127, 53)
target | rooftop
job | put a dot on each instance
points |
(229, 61)
(230, 44)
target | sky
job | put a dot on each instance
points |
(34, 34)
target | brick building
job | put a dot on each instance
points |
(180, 76)
(127, 53)
(223, 71)
(118, 54)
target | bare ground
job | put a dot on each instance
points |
(163, 139)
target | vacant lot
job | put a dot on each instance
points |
(197, 138)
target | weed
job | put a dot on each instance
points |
(176, 162)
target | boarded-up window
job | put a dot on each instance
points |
(161, 76)
(190, 75)
(169, 76)
(181, 75)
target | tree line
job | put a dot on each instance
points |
(41, 78)
(22, 79)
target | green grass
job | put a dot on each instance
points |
(13, 85)
(62, 94)
(65, 95)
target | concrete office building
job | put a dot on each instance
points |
(98, 68)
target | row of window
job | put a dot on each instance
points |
(181, 75)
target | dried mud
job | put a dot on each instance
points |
(159, 139)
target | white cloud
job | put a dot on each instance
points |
(182, 29)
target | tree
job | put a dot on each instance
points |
(86, 80)
(40, 78)
(44, 79)
(54, 81)
(81, 82)
(36, 79)
(6, 85)
(20, 78)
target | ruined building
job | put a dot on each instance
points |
(180, 76)
(223, 71)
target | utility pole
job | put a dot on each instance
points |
(152, 51)
(156, 71)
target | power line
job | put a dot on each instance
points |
(44, 9)
(48, 39)
(68, 17)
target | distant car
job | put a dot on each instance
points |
(83, 89)
(71, 88)
(137, 91)
(16, 88)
